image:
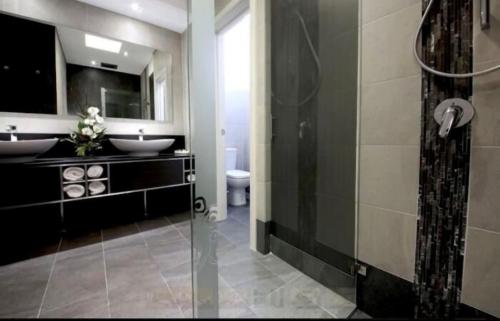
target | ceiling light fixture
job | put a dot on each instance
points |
(93, 62)
(102, 43)
(136, 7)
(125, 53)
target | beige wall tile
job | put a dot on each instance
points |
(389, 177)
(387, 46)
(387, 240)
(374, 9)
(481, 281)
(484, 200)
(390, 112)
(486, 100)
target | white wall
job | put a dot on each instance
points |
(80, 16)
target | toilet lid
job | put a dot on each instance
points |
(238, 174)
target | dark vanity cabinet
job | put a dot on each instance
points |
(146, 175)
(134, 188)
(24, 185)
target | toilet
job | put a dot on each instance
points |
(237, 180)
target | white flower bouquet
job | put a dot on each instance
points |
(89, 136)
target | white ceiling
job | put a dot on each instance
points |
(169, 14)
(75, 51)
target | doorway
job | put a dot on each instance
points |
(233, 109)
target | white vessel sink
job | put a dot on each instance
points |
(24, 150)
(142, 148)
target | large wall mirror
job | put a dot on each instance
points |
(53, 69)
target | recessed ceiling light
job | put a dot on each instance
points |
(136, 7)
(125, 53)
(93, 62)
(102, 43)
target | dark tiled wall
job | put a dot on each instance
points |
(314, 141)
(84, 89)
(444, 164)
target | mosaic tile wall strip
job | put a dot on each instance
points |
(444, 163)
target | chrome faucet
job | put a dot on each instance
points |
(453, 113)
(12, 129)
(141, 134)
(450, 117)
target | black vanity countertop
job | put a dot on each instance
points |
(95, 159)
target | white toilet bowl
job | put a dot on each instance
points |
(237, 182)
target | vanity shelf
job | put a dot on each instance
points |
(158, 183)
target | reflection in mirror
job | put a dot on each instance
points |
(67, 70)
(125, 80)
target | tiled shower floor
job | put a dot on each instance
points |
(143, 270)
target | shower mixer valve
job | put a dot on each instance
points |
(453, 113)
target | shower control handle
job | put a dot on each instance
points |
(453, 113)
(450, 116)
(302, 127)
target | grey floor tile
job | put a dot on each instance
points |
(179, 218)
(70, 242)
(234, 231)
(288, 303)
(181, 288)
(243, 272)
(119, 231)
(181, 270)
(358, 314)
(94, 307)
(254, 291)
(153, 223)
(74, 279)
(163, 236)
(239, 214)
(144, 302)
(332, 302)
(279, 267)
(22, 286)
(231, 304)
(237, 254)
(171, 260)
(81, 252)
(185, 229)
(124, 241)
(127, 256)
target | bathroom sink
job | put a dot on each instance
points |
(142, 148)
(24, 150)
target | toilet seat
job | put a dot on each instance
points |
(237, 174)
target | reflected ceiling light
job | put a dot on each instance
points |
(102, 43)
(93, 62)
(136, 7)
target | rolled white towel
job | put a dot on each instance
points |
(74, 190)
(95, 171)
(73, 174)
(96, 188)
